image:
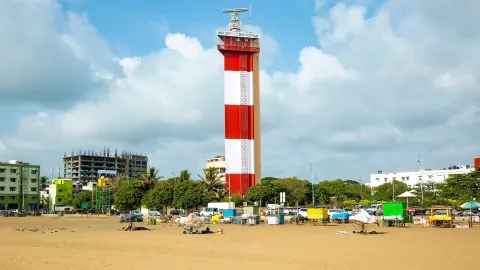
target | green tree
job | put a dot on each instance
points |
(237, 199)
(119, 181)
(190, 194)
(149, 179)
(296, 190)
(265, 192)
(129, 196)
(211, 179)
(185, 175)
(43, 182)
(384, 192)
(159, 197)
(461, 186)
(84, 196)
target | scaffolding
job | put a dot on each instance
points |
(102, 198)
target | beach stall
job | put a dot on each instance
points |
(317, 216)
(275, 214)
(394, 214)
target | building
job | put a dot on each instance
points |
(87, 165)
(19, 186)
(219, 163)
(476, 163)
(240, 50)
(58, 194)
(417, 177)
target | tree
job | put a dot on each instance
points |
(119, 181)
(159, 197)
(237, 199)
(129, 196)
(384, 192)
(212, 181)
(43, 182)
(296, 190)
(461, 186)
(190, 194)
(149, 179)
(84, 196)
(265, 192)
(184, 176)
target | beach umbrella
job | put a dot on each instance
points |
(407, 194)
(470, 205)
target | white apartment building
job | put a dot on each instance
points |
(219, 163)
(417, 177)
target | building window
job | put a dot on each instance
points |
(13, 180)
(2, 179)
(33, 189)
(2, 170)
(34, 181)
(2, 198)
(59, 191)
(34, 171)
(13, 170)
(59, 199)
(407, 178)
(34, 197)
(403, 178)
(13, 198)
(385, 179)
(2, 188)
(13, 188)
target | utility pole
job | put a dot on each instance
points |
(420, 177)
(229, 183)
(313, 190)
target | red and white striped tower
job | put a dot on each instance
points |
(242, 104)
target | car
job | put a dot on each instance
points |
(302, 212)
(416, 210)
(375, 209)
(136, 212)
(154, 212)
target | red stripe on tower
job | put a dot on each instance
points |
(240, 50)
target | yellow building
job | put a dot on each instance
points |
(59, 192)
(104, 181)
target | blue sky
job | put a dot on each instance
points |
(134, 29)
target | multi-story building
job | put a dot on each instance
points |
(19, 186)
(59, 193)
(414, 178)
(87, 166)
(220, 164)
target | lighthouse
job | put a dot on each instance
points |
(241, 50)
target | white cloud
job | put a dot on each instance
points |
(390, 84)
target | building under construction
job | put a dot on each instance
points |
(88, 165)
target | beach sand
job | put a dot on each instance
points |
(99, 243)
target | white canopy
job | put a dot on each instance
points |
(407, 194)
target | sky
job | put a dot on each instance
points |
(350, 87)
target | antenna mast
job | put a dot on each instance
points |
(235, 24)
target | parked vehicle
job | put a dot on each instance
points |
(375, 209)
(209, 212)
(302, 212)
(154, 212)
(416, 210)
(136, 212)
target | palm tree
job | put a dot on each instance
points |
(184, 176)
(150, 178)
(212, 180)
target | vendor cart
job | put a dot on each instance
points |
(441, 217)
(394, 214)
(317, 216)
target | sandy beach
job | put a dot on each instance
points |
(99, 243)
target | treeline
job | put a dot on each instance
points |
(183, 192)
